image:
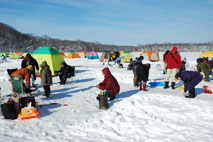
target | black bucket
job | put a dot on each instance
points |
(103, 101)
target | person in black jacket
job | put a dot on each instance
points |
(164, 61)
(24, 62)
(63, 73)
(190, 79)
(142, 72)
(31, 61)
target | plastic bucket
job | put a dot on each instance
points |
(103, 102)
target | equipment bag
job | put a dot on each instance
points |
(9, 111)
(24, 101)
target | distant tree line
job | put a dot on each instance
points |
(12, 40)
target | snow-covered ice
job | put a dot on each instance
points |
(157, 115)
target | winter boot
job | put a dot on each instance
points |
(140, 86)
(144, 87)
(166, 85)
(173, 85)
(191, 93)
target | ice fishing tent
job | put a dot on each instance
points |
(62, 53)
(25, 53)
(83, 54)
(106, 54)
(121, 52)
(73, 55)
(20, 54)
(4, 53)
(151, 56)
(13, 55)
(93, 55)
(207, 54)
(51, 56)
(126, 56)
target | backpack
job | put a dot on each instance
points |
(9, 111)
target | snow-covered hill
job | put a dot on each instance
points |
(157, 115)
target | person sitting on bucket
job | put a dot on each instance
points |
(63, 73)
(25, 74)
(190, 79)
(118, 61)
(110, 84)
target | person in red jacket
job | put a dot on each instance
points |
(173, 64)
(110, 84)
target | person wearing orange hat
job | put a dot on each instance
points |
(25, 74)
(173, 64)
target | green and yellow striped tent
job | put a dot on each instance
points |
(208, 54)
(4, 53)
(51, 56)
(126, 56)
(13, 55)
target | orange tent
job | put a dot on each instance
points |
(72, 55)
(20, 54)
(83, 54)
(151, 55)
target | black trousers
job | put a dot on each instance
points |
(191, 93)
(46, 90)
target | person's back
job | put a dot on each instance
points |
(130, 65)
(45, 74)
(205, 68)
(46, 77)
(165, 54)
(24, 73)
(136, 62)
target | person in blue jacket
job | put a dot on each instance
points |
(190, 79)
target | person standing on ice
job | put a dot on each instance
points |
(136, 62)
(190, 79)
(109, 85)
(164, 61)
(173, 61)
(46, 78)
(142, 72)
(130, 64)
(106, 57)
(31, 61)
(204, 66)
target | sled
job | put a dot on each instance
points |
(181, 87)
(156, 84)
(27, 113)
(30, 108)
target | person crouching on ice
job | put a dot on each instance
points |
(190, 79)
(110, 84)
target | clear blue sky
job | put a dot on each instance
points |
(121, 22)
